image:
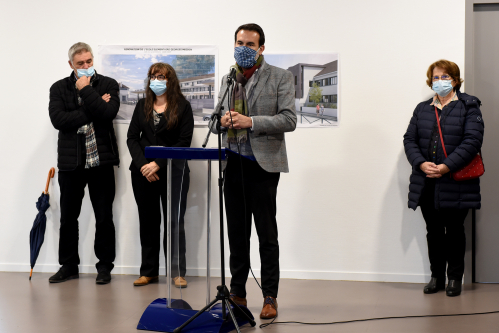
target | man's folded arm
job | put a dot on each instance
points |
(62, 119)
(98, 108)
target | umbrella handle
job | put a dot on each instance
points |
(51, 175)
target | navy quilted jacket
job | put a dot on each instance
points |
(462, 129)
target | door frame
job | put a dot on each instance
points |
(469, 33)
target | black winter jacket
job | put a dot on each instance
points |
(67, 116)
(462, 128)
(142, 133)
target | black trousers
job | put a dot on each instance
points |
(445, 236)
(148, 197)
(101, 188)
(260, 189)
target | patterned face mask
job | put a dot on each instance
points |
(246, 57)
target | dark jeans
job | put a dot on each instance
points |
(101, 188)
(445, 236)
(260, 188)
(148, 196)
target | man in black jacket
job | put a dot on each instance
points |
(82, 107)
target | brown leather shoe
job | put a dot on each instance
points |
(269, 310)
(180, 282)
(239, 300)
(144, 280)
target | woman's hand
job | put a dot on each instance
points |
(443, 168)
(149, 169)
(152, 178)
(431, 169)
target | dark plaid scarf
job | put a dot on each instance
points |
(239, 101)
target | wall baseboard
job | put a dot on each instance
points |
(215, 272)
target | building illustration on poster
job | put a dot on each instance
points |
(316, 86)
(125, 94)
(316, 79)
(200, 92)
(195, 66)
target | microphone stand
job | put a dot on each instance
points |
(217, 114)
(223, 293)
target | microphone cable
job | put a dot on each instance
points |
(378, 318)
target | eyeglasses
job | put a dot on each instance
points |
(442, 77)
(159, 77)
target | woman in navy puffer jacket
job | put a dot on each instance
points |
(444, 202)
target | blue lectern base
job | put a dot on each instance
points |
(158, 317)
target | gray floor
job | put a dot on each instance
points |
(82, 306)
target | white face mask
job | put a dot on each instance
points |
(442, 87)
(158, 87)
(85, 72)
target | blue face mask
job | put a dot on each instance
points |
(158, 87)
(442, 87)
(245, 57)
(86, 72)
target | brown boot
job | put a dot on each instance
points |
(180, 282)
(239, 300)
(269, 310)
(144, 280)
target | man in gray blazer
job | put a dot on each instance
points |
(261, 110)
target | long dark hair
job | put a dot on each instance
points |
(173, 93)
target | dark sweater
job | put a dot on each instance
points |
(143, 133)
(67, 116)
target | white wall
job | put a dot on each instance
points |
(342, 209)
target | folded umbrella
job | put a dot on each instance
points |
(37, 233)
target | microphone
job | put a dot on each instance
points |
(231, 77)
(232, 73)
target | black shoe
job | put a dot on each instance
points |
(65, 273)
(453, 288)
(435, 285)
(103, 277)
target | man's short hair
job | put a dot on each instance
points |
(252, 27)
(78, 48)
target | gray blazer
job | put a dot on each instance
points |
(272, 108)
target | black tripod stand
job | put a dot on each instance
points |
(223, 292)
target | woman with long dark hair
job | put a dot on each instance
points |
(163, 118)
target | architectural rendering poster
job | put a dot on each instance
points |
(196, 68)
(316, 83)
